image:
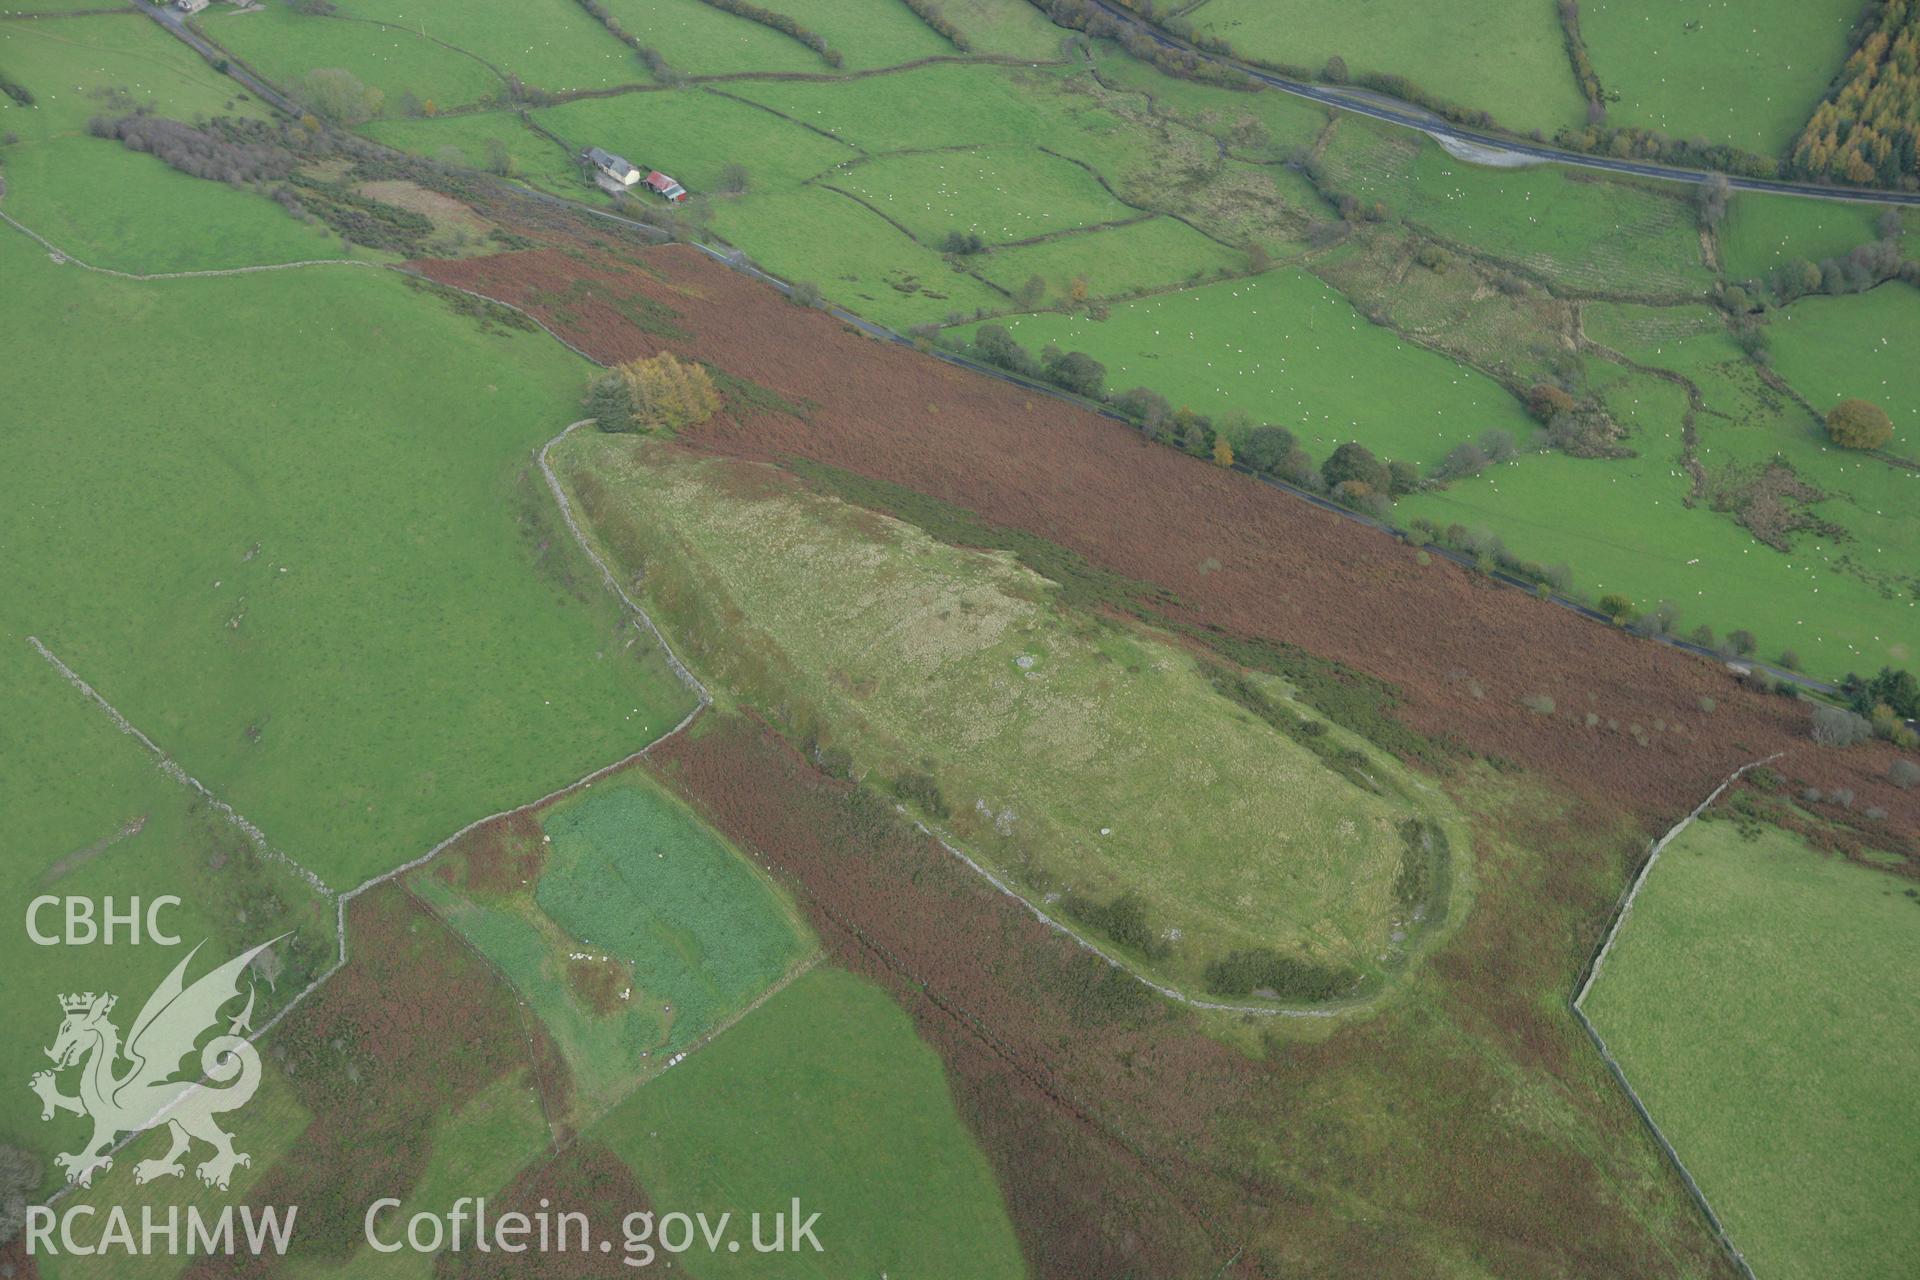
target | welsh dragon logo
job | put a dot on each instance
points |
(146, 1093)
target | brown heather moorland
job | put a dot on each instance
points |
(1468, 1119)
(412, 1027)
(1465, 1126)
(1240, 557)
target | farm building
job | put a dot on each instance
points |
(191, 6)
(661, 184)
(612, 166)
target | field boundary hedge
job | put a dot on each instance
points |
(1592, 974)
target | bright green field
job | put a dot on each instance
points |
(266, 1129)
(698, 39)
(632, 882)
(1012, 27)
(824, 1093)
(1755, 1000)
(283, 46)
(868, 34)
(1576, 231)
(1502, 56)
(1140, 255)
(1002, 196)
(1291, 351)
(1761, 232)
(1634, 535)
(89, 814)
(936, 106)
(814, 234)
(1748, 72)
(1051, 734)
(138, 215)
(549, 43)
(313, 590)
(694, 134)
(463, 140)
(1832, 348)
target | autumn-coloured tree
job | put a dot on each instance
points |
(668, 392)
(1859, 424)
(1222, 451)
(1545, 401)
(1867, 130)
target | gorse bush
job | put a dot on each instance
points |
(1264, 970)
(1838, 727)
(1124, 919)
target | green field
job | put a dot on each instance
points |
(1752, 999)
(90, 815)
(824, 1093)
(1762, 232)
(1746, 72)
(477, 1148)
(1289, 350)
(83, 66)
(1002, 196)
(1154, 253)
(549, 43)
(269, 1127)
(395, 57)
(1573, 230)
(640, 933)
(1832, 348)
(360, 673)
(1502, 56)
(1050, 735)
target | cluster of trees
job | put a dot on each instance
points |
(1351, 473)
(337, 96)
(931, 14)
(1471, 457)
(1884, 703)
(1579, 428)
(1583, 72)
(1489, 553)
(965, 244)
(1074, 371)
(1863, 267)
(1838, 727)
(15, 90)
(1079, 15)
(1711, 200)
(656, 62)
(658, 392)
(1358, 479)
(1868, 130)
(1264, 971)
(197, 152)
(784, 24)
(1630, 142)
(1859, 424)
(1124, 919)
